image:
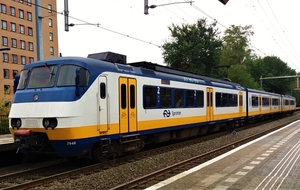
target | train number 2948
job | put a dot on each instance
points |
(70, 143)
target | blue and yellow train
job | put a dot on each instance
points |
(100, 106)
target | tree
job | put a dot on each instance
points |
(272, 66)
(236, 48)
(195, 48)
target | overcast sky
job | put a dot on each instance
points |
(124, 28)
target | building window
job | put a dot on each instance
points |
(7, 104)
(50, 22)
(3, 8)
(13, 42)
(21, 13)
(30, 31)
(49, 8)
(6, 89)
(5, 57)
(29, 2)
(13, 26)
(30, 45)
(23, 60)
(22, 44)
(29, 16)
(6, 73)
(4, 24)
(15, 72)
(14, 58)
(51, 36)
(22, 29)
(31, 59)
(12, 11)
(51, 50)
(4, 41)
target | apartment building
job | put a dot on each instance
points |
(29, 29)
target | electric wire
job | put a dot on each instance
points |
(134, 38)
(271, 32)
(282, 29)
(277, 33)
(97, 25)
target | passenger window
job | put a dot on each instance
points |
(149, 97)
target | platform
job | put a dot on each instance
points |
(270, 162)
(6, 142)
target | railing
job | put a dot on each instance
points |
(4, 124)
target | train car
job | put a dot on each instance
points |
(262, 105)
(100, 106)
(288, 104)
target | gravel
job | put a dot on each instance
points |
(124, 173)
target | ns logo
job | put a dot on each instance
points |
(166, 113)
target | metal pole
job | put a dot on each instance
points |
(66, 13)
(260, 82)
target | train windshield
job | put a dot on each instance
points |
(23, 79)
(67, 75)
(42, 77)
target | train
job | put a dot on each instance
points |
(100, 106)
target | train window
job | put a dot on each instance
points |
(123, 96)
(67, 75)
(132, 96)
(254, 101)
(190, 98)
(265, 101)
(226, 100)
(232, 100)
(165, 97)
(178, 98)
(275, 102)
(23, 79)
(102, 90)
(42, 77)
(292, 102)
(218, 99)
(150, 97)
(199, 99)
(286, 102)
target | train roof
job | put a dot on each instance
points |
(107, 61)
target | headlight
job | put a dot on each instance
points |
(49, 123)
(15, 123)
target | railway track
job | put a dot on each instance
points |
(45, 176)
(165, 173)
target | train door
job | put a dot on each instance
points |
(209, 106)
(259, 103)
(241, 103)
(102, 105)
(127, 105)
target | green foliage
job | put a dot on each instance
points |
(198, 48)
(195, 48)
(239, 73)
(4, 124)
(236, 45)
(272, 66)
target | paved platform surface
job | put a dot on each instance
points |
(6, 142)
(270, 162)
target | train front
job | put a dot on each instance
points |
(44, 116)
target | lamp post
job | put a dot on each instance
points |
(146, 7)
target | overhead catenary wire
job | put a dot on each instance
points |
(275, 40)
(138, 39)
(282, 29)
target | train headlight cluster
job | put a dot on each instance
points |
(49, 123)
(15, 123)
